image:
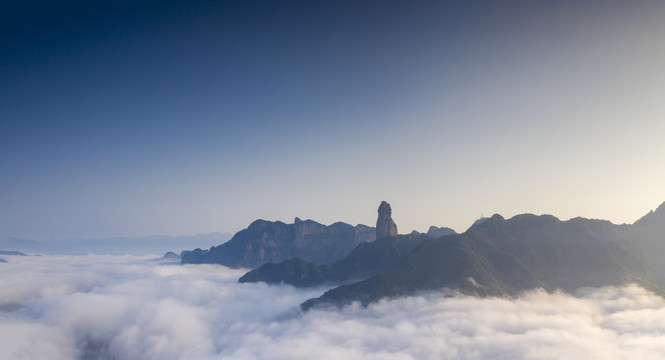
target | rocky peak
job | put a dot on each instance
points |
(653, 217)
(385, 226)
(660, 209)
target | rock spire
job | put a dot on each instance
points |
(385, 226)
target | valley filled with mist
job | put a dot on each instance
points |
(128, 307)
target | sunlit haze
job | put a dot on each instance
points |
(129, 119)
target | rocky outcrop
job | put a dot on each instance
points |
(274, 241)
(385, 226)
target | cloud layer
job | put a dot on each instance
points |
(104, 307)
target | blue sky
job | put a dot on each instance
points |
(135, 118)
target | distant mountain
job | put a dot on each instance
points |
(29, 246)
(438, 232)
(267, 241)
(500, 257)
(155, 244)
(10, 253)
(13, 253)
(171, 255)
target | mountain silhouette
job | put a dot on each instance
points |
(494, 257)
(503, 257)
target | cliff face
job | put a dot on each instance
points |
(385, 226)
(267, 241)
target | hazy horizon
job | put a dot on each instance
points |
(163, 117)
(231, 233)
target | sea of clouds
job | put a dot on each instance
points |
(127, 307)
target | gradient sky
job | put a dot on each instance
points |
(128, 118)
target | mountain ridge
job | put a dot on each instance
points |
(499, 256)
(305, 243)
(266, 241)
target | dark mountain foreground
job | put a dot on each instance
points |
(494, 257)
(503, 257)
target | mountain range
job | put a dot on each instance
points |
(495, 257)
(274, 241)
(310, 244)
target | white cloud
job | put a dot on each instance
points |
(102, 307)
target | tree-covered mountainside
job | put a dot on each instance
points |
(500, 257)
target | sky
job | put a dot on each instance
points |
(154, 310)
(131, 118)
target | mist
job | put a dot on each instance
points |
(129, 307)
